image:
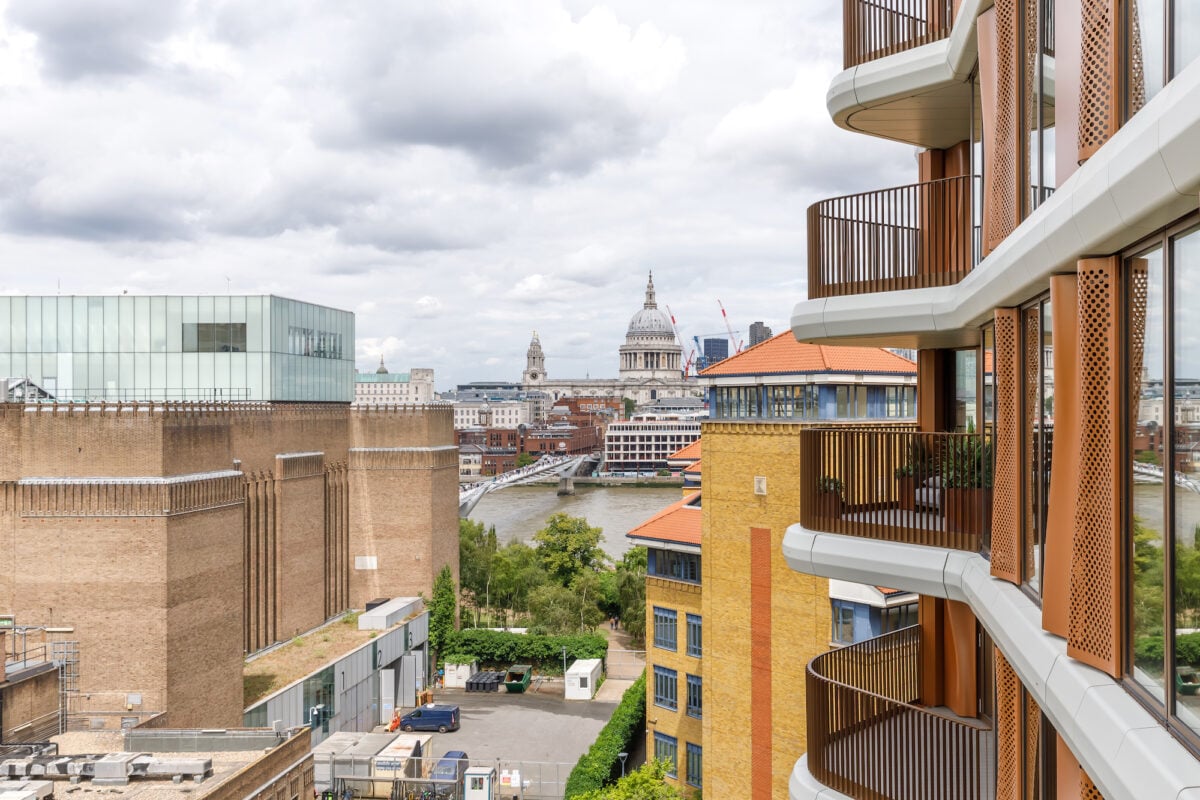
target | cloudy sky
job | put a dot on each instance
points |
(459, 173)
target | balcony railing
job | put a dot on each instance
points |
(896, 485)
(868, 739)
(908, 237)
(876, 28)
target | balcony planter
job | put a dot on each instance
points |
(966, 483)
(829, 497)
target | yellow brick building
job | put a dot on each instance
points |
(674, 638)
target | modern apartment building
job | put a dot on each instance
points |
(174, 537)
(1044, 266)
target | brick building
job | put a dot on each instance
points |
(178, 537)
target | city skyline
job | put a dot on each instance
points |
(381, 164)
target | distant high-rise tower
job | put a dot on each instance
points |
(716, 350)
(759, 333)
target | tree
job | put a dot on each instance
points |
(517, 570)
(476, 556)
(441, 610)
(630, 405)
(568, 546)
(630, 581)
(524, 460)
(644, 783)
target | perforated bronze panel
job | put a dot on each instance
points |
(1031, 344)
(1099, 95)
(1087, 789)
(1006, 490)
(1138, 283)
(1033, 729)
(1008, 731)
(1003, 185)
(1094, 631)
(1137, 62)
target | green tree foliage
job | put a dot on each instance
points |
(600, 764)
(441, 609)
(476, 553)
(556, 609)
(644, 783)
(517, 571)
(629, 579)
(568, 546)
(501, 648)
(524, 460)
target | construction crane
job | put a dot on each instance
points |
(687, 367)
(701, 359)
(733, 340)
(679, 339)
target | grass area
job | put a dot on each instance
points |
(271, 672)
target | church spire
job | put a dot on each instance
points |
(650, 301)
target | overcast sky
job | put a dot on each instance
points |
(459, 174)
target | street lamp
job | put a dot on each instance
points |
(564, 664)
(622, 756)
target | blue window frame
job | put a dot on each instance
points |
(666, 688)
(843, 622)
(695, 705)
(695, 764)
(694, 636)
(673, 565)
(665, 628)
(666, 748)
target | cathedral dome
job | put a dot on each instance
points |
(649, 321)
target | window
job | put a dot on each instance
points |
(694, 636)
(695, 704)
(1037, 414)
(666, 691)
(695, 765)
(1162, 547)
(843, 622)
(897, 617)
(677, 566)
(1164, 37)
(666, 748)
(214, 337)
(665, 627)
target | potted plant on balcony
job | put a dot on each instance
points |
(829, 496)
(966, 481)
(909, 474)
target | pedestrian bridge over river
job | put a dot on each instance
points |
(564, 467)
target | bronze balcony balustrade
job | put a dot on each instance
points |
(908, 237)
(902, 486)
(876, 28)
(868, 739)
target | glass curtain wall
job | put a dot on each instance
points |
(1037, 396)
(1164, 476)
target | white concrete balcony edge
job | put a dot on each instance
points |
(921, 70)
(1120, 745)
(803, 786)
(1145, 177)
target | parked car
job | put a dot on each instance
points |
(448, 773)
(440, 718)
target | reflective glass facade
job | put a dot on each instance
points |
(221, 348)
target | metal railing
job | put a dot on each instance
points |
(873, 29)
(896, 485)
(868, 739)
(907, 237)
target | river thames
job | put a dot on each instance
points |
(521, 511)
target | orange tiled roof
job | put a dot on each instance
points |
(693, 468)
(678, 522)
(886, 591)
(782, 354)
(692, 451)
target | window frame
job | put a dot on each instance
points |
(665, 619)
(663, 741)
(666, 687)
(694, 777)
(695, 623)
(695, 690)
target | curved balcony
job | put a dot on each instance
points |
(897, 485)
(873, 29)
(909, 237)
(868, 739)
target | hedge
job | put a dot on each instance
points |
(501, 648)
(599, 765)
(1148, 651)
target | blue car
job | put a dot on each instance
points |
(448, 773)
